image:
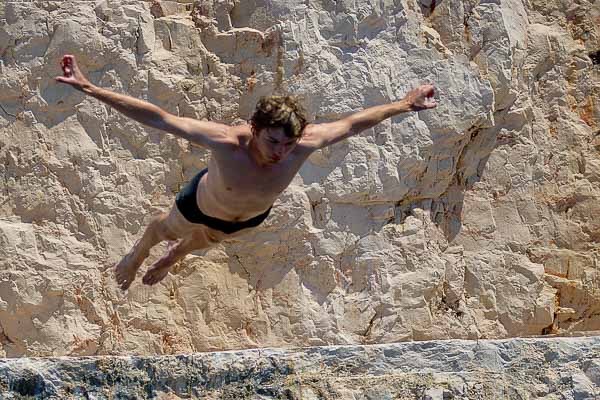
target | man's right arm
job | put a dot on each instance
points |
(207, 134)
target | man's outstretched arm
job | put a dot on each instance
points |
(326, 134)
(204, 133)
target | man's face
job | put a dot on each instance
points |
(274, 145)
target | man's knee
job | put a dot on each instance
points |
(203, 238)
(214, 237)
(161, 228)
(168, 234)
(179, 251)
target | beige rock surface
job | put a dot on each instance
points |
(480, 219)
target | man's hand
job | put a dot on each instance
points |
(421, 98)
(71, 73)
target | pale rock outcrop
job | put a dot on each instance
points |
(558, 368)
(478, 219)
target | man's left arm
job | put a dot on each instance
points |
(326, 134)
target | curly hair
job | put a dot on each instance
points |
(279, 111)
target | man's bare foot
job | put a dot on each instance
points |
(176, 251)
(126, 269)
(155, 274)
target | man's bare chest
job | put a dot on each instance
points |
(242, 177)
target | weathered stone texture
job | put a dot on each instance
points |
(479, 219)
(550, 369)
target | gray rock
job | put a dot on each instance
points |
(426, 370)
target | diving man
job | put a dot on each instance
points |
(250, 166)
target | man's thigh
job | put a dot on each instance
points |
(183, 228)
(177, 224)
(216, 236)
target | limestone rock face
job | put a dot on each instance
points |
(479, 219)
(558, 368)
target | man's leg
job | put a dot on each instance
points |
(156, 232)
(202, 239)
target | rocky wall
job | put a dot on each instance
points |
(479, 219)
(550, 369)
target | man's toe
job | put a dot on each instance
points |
(151, 277)
(147, 278)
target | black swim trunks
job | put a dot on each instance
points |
(188, 206)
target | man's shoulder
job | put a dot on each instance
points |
(235, 138)
(241, 134)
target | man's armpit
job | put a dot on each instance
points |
(328, 133)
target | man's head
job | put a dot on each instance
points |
(277, 126)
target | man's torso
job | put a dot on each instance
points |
(236, 188)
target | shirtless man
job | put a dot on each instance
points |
(251, 165)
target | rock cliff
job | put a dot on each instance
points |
(565, 368)
(479, 219)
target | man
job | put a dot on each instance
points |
(251, 165)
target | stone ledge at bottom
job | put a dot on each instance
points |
(548, 368)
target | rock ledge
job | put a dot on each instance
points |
(565, 368)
